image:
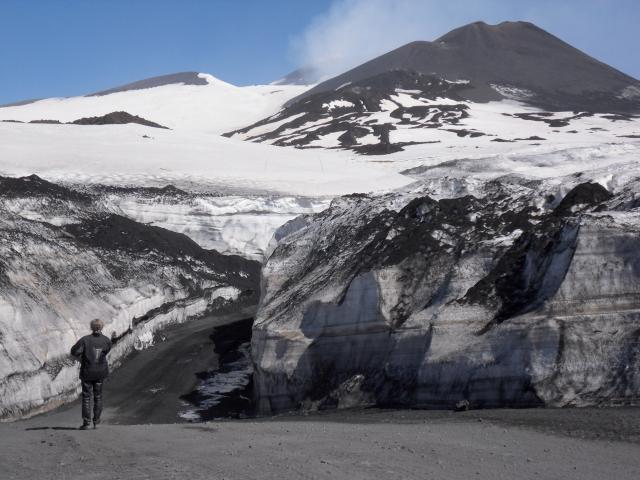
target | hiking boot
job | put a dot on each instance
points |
(84, 426)
(95, 424)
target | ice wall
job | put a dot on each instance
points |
(509, 297)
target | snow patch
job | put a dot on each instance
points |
(332, 105)
(512, 93)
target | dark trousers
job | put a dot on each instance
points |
(87, 388)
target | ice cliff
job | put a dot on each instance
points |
(505, 292)
(66, 258)
(237, 224)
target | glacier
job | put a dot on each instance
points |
(231, 224)
(503, 291)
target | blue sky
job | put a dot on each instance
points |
(70, 47)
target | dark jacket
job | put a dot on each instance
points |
(91, 351)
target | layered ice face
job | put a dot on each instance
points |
(503, 291)
(235, 224)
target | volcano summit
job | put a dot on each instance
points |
(520, 57)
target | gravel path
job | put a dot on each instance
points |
(498, 444)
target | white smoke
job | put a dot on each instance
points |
(354, 31)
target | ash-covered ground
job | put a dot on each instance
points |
(488, 444)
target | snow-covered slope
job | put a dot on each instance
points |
(404, 115)
(138, 155)
(235, 193)
(212, 107)
(480, 89)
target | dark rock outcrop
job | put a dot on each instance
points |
(32, 186)
(116, 118)
(47, 121)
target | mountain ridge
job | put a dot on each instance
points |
(513, 54)
(186, 78)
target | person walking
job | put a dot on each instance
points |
(91, 351)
